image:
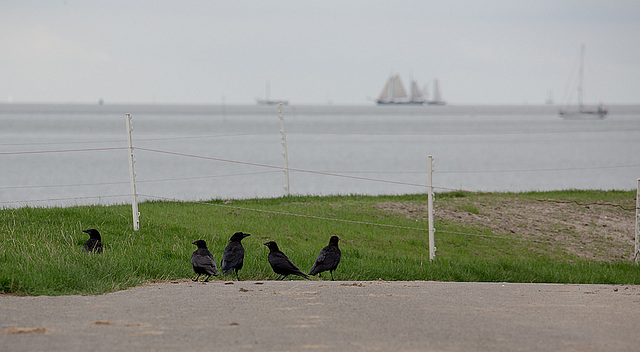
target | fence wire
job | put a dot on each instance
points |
(324, 173)
(421, 229)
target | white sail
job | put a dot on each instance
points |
(416, 94)
(437, 96)
(385, 95)
(398, 89)
(393, 91)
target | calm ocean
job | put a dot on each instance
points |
(64, 154)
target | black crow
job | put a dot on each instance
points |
(282, 265)
(233, 256)
(328, 259)
(93, 244)
(202, 261)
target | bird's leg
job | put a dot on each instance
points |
(237, 276)
(207, 279)
(331, 272)
(196, 279)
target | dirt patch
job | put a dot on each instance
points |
(595, 232)
(103, 322)
(25, 331)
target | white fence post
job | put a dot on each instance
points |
(432, 248)
(132, 177)
(636, 254)
(285, 155)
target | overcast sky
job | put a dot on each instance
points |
(315, 52)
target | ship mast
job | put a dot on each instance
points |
(581, 79)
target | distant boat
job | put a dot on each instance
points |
(268, 100)
(582, 113)
(395, 93)
(437, 96)
(549, 100)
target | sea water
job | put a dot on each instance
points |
(60, 155)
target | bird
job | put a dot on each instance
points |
(94, 243)
(282, 265)
(202, 261)
(328, 258)
(233, 256)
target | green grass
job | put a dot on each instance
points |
(40, 248)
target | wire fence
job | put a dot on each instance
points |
(277, 168)
(282, 213)
(263, 168)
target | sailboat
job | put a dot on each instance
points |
(395, 93)
(582, 113)
(268, 100)
(437, 96)
(549, 100)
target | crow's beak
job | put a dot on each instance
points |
(194, 242)
(85, 231)
(246, 235)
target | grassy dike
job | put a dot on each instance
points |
(40, 248)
